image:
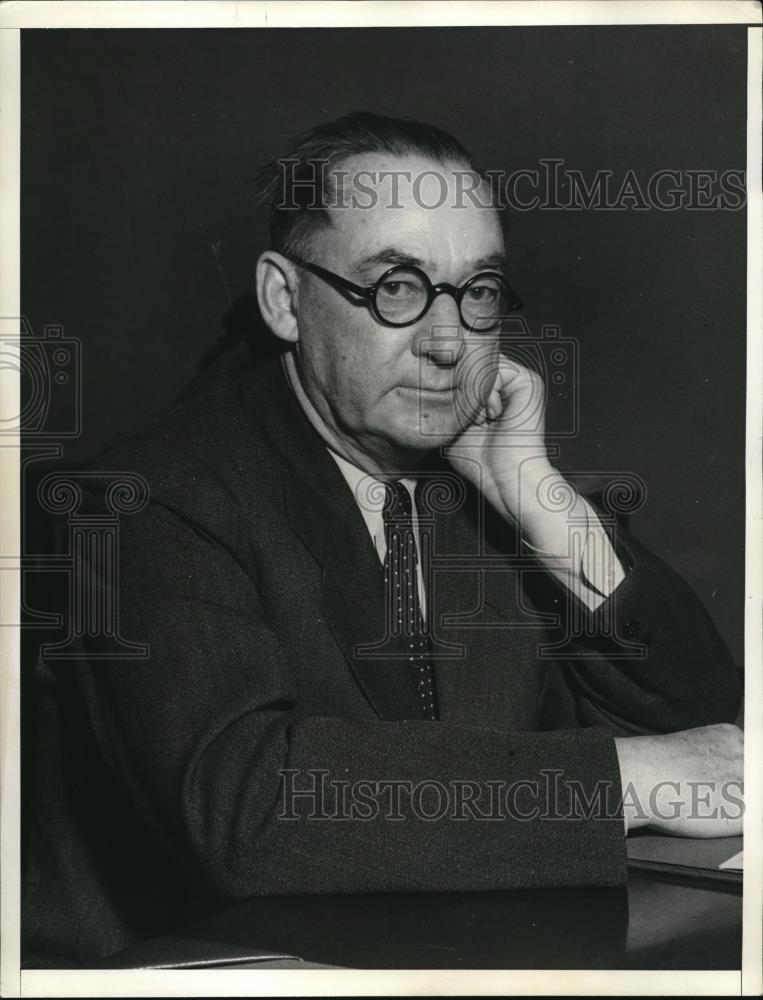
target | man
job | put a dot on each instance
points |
(350, 573)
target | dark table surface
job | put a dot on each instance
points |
(653, 924)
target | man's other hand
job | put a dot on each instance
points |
(688, 784)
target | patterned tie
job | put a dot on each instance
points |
(401, 581)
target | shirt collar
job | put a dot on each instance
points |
(367, 489)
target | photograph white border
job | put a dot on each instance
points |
(20, 14)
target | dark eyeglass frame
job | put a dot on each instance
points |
(368, 293)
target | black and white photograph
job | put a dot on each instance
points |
(381, 489)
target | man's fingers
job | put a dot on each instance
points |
(494, 405)
(517, 392)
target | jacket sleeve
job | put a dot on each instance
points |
(209, 742)
(648, 660)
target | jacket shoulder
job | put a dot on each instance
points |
(203, 450)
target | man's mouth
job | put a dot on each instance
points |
(430, 390)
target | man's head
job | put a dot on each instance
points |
(366, 194)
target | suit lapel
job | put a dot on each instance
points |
(353, 596)
(323, 513)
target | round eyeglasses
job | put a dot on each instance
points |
(404, 293)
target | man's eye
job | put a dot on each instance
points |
(397, 289)
(481, 293)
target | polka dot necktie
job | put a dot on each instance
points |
(401, 583)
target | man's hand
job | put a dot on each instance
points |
(506, 439)
(503, 452)
(688, 784)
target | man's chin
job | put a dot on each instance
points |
(424, 422)
(429, 432)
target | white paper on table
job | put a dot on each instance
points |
(735, 862)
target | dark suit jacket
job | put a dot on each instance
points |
(252, 576)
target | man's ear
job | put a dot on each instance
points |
(277, 295)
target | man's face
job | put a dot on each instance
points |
(390, 391)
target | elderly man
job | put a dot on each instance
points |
(383, 656)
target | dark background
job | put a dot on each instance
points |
(140, 225)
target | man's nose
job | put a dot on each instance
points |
(440, 337)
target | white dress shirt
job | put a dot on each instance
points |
(599, 567)
(369, 496)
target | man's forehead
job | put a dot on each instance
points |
(414, 203)
(410, 180)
